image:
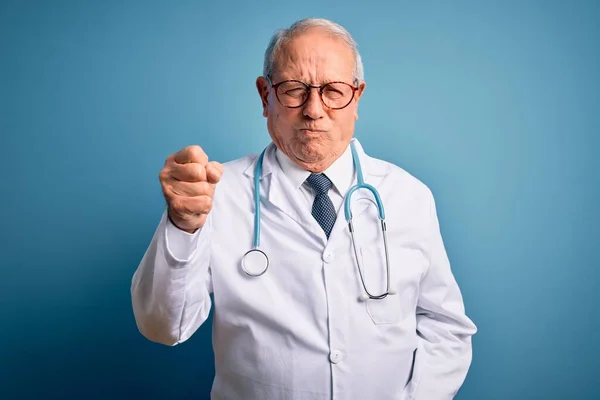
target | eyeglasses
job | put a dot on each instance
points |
(294, 94)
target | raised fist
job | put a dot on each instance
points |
(188, 183)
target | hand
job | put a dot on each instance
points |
(188, 183)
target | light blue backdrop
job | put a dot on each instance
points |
(494, 105)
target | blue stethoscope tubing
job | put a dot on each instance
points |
(256, 256)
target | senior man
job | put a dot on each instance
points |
(320, 308)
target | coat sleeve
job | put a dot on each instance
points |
(444, 350)
(170, 289)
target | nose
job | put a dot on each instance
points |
(313, 108)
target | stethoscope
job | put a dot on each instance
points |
(256, 262)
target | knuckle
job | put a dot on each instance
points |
(163, 175)
(215, 174)
(192, 151)
(176, 203)
(204, 188)
(186, 172)
(200, 172)
(197, 154)
(217, 166)
(192, 172)
(207, 203)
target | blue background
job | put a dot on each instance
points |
(494, 105)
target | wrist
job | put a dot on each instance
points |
(180, 225)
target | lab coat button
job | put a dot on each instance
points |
(327, 257)
(335, 356)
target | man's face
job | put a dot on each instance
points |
(312, 135)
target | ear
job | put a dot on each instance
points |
(357, 96)
(263, 91)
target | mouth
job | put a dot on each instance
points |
(312, 131)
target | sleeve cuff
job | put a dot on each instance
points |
(180, 244)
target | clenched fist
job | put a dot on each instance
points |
(188, 182)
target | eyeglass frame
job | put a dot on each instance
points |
(309, 87)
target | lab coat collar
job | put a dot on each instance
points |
(279, 189)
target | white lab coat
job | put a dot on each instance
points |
(300, 331)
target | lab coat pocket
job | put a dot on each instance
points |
(373, 265)
(410, 387)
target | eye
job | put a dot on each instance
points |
(295, 92)
(332, 92)
(292, 89)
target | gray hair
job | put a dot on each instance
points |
(282, 36)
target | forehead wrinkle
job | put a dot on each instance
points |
(309, 65)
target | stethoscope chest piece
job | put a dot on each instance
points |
(255, 262)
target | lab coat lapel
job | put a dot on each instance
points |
(280, 193)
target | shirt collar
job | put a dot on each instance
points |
(341, 172)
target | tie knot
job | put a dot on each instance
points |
(319, 182)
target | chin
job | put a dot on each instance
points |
(311, 151)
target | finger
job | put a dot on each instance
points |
(214, 170)
(191, 172)
(191, 154)
(186, 206)
(190, 189)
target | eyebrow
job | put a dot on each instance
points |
(318, 83)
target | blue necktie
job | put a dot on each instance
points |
(322, 208)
